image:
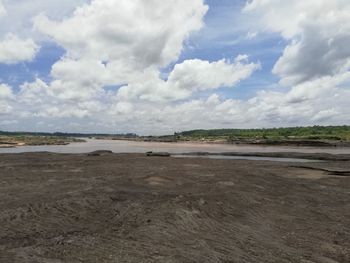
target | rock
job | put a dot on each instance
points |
(100, 153)
(202, 202)
(160, 154)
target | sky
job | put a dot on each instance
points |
(158, 67)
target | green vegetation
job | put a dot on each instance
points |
(55, 134)
(296, 133)
(323, 135)
(20, 140)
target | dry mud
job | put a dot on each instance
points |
(132, 208)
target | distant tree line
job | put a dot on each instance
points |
(63, 134)
(313, 132)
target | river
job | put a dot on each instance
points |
(174, 148)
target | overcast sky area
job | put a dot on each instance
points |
(156, 67)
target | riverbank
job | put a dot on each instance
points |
(123, 146)
(242, 141)
(10, 141)
(131, 208)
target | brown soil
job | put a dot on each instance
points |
(132, 208)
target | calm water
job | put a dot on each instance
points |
(142, 147)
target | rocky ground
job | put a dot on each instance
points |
(107, 207)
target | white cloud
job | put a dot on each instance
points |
(251, 35)
(136, 33)
(319, 35)
(8, 122)
(19, 14)
(199, 75)
(2, 10)
(5, 91)
(33, 93)
(188, 77)
(41, 100)
(299, 106)
(14, 50)
(117, 43)
(6, 96)
(325, 115)
(5, 108)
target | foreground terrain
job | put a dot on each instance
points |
(132, 208)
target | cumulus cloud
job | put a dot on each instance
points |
(118, 43)
(187, 78)
(41, 100)
(305, 104)
(136, 33)
(302, 105)
(14, 49)
(202, 75)
(319, 35)
(19, 14)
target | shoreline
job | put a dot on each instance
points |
(244, 142)
(253, 142)
(188, 147)
(278, 155)
(15, 142)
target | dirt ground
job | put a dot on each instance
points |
(132, 208)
